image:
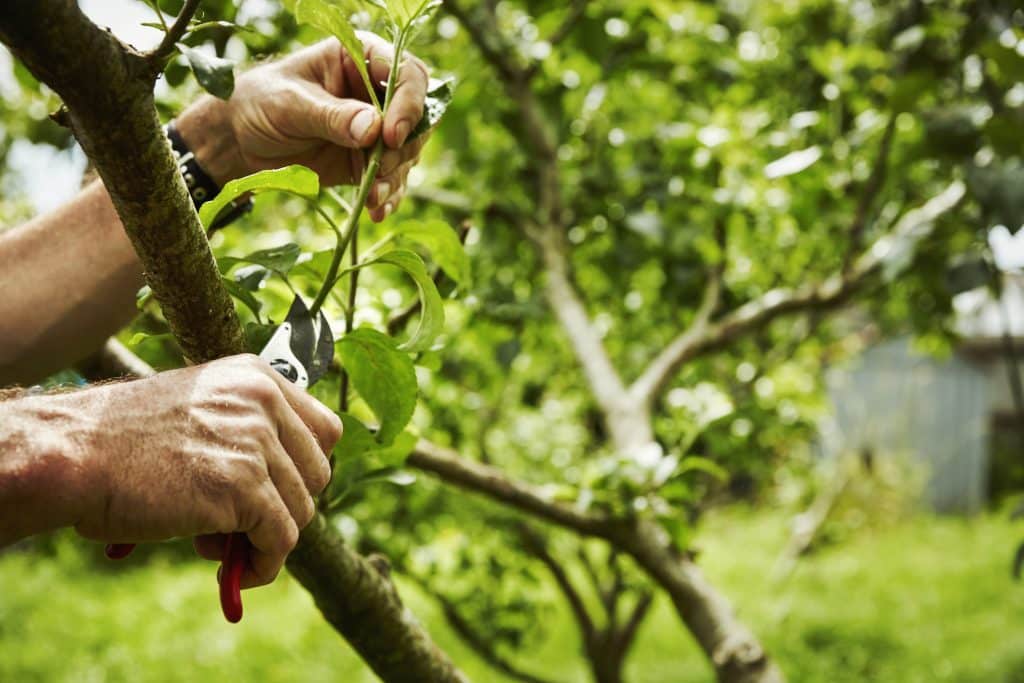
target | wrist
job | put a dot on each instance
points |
(48, 478)
(206, 128)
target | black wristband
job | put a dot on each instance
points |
(201, 187)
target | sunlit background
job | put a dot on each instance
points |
(847, 476)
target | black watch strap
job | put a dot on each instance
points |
(201, 187)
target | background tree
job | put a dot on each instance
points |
(664, 204)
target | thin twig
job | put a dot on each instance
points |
(162, 51)
(535, 544)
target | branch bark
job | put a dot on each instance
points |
(107, 88)
(829, 293)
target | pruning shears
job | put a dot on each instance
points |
(300, 350)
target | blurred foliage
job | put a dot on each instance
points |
(923, 601)
(673, 121)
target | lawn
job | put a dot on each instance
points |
(929, 600)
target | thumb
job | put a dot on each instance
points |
(343, 122)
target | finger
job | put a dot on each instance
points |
(387, 187)
(342, 121)
(210, 546)
(381, 214)
(410, 93)
(290, 484)
(321, 420)
(306, 456)
(393, 158)
(272, 537)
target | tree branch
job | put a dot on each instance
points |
(576, 10)
(493, 483)
(487, 41)
(535, 544)
(465, 629)
(829, 293)
(625, 636)
(564, 30)
(873, 186)
(173, 35)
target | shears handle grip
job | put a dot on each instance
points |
(236, 558)
(119, 551)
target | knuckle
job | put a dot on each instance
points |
(262, 388)
(289, 537)
(321, 478)
(308, 512)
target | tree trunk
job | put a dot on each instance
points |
(733, 650)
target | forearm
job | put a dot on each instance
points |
(42, 476)
(69, 279)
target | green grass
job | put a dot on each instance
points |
(930, 600)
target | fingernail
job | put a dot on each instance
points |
(402, 132)
(383, 190)
(361, 124)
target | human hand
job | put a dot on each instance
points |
(229, 446)
(312, 108)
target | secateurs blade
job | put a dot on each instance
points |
(300, 350)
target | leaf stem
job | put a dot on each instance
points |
(159, 15)
(350, 314)
(348, 234)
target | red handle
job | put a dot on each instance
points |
(236, 558)
(119, 551)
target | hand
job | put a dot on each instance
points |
(312, 108)
(203, 451)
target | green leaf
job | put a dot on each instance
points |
(216, 75)
(356, 440)
(696, 463)
(439, 96)
(407, 12)
(443, 244)
(251, 277)
(244, 295)
(333, 20)
(280, 259)
(431, 322)
(396, 454)
(295, 179)
(383, 376)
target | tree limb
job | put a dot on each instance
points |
(173, 35)
(488, 42)
(624, 637)
(535, 544)
(873, 186)
(829, 293)
(480, 645)
(492, 482)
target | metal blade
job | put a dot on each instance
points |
(303, 337)
(324, 352)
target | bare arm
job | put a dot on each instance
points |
(69, 278)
